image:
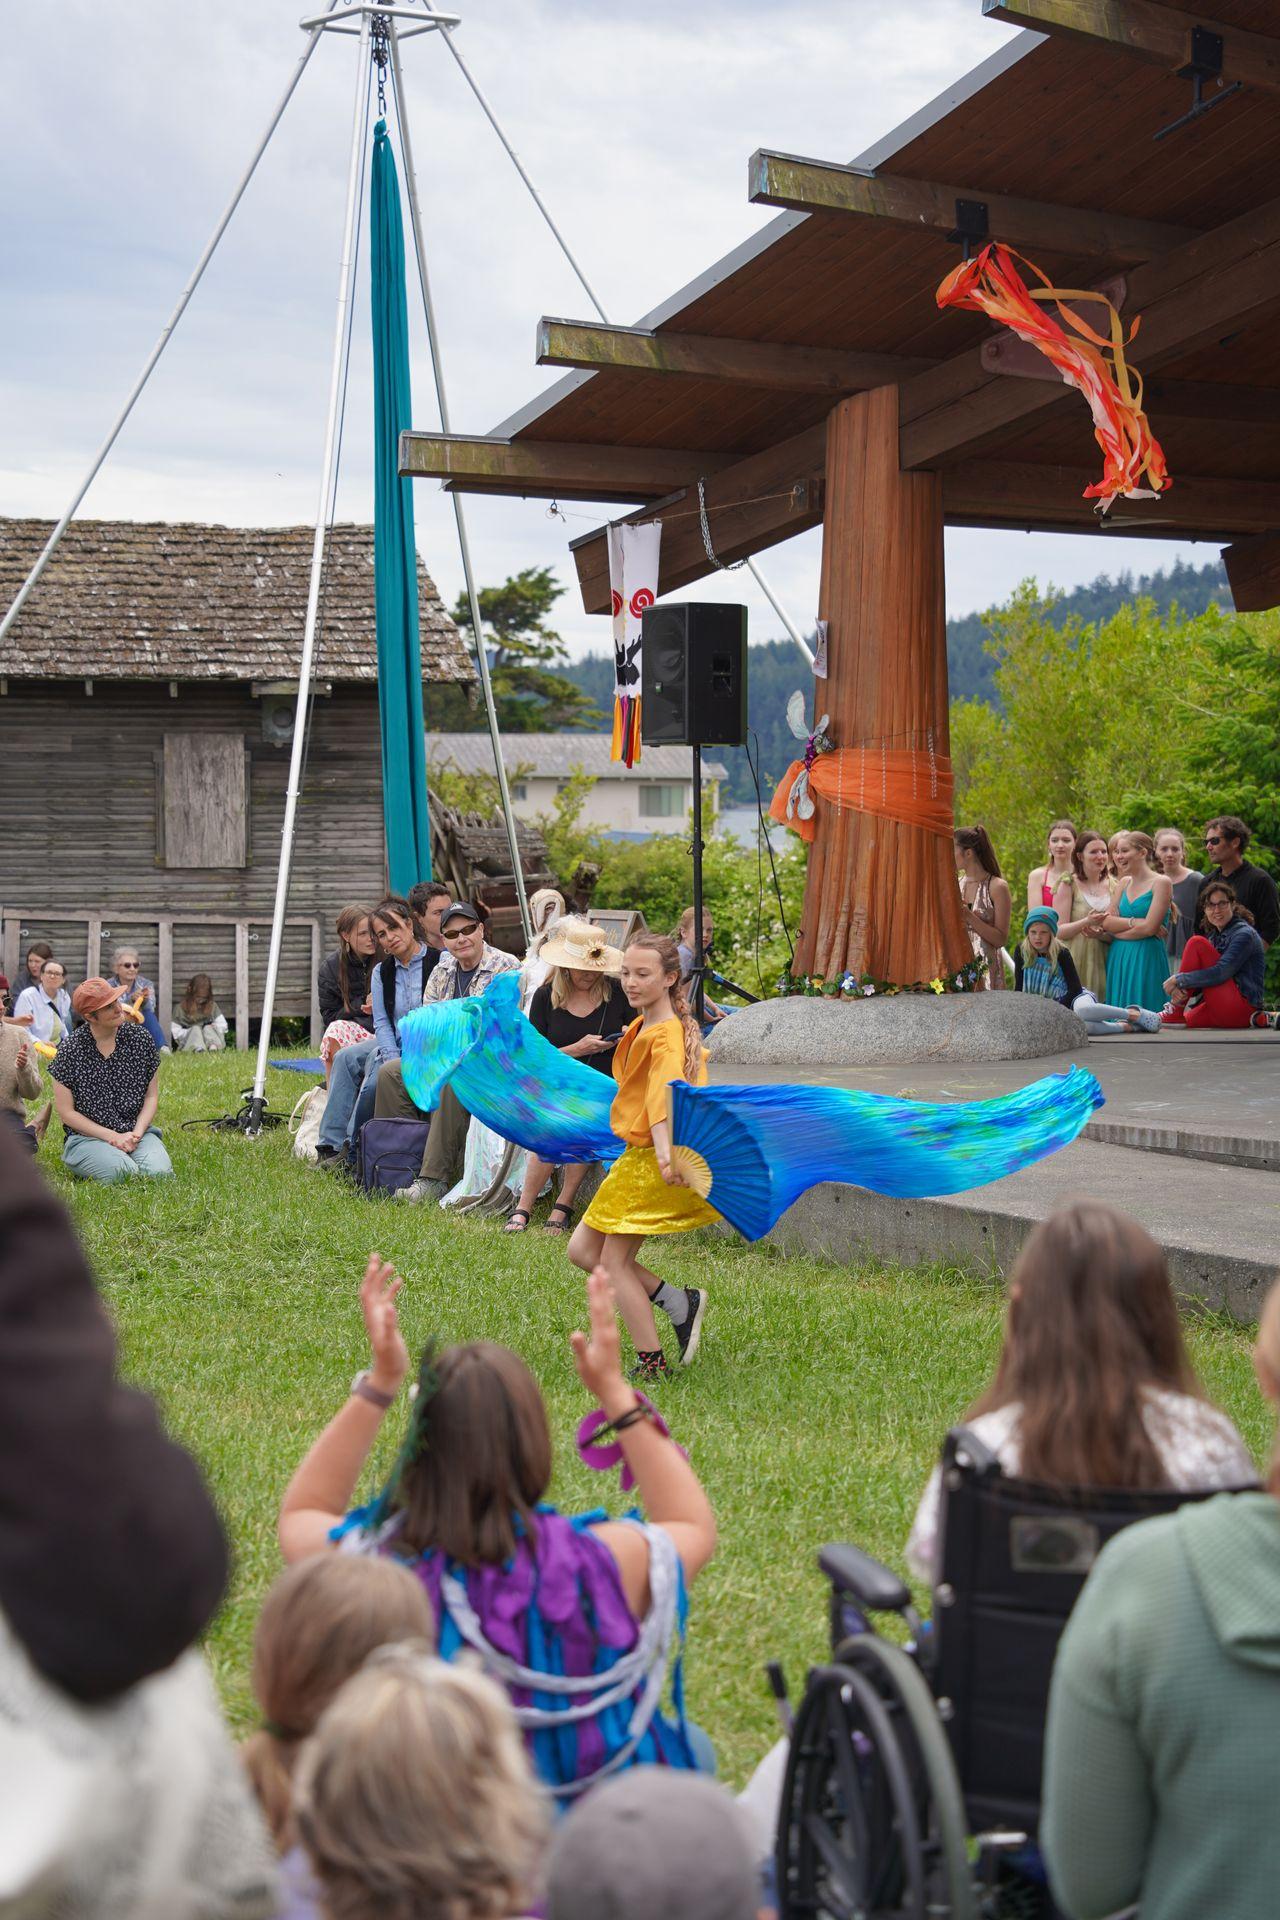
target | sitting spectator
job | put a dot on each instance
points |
(6, 1001)
(650, 1845)
(1159, 1786)
(415, 1799)
(427, 901)
(1219, 983)
(200, 1025)
(112, 1558)
(467, 966)
(37, 953)
(1094, 1387)
(582, 1010)
(546, 911)
(1225, 840)
(1171, 853)
(20, 1082)
(987, 902)
(106, 1091)
(45, 1009)
(683, 937)
(126, 972)
(1043, 966)
(343, 986)
(318, 1625)
(533, 1590)
(398, 984)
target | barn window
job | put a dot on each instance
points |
(204, 800)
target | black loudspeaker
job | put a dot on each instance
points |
(693, 675)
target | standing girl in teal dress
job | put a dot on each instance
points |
(1140, 904)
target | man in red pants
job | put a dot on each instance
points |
(1220, 981)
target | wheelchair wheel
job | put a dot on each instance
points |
(872, 1823)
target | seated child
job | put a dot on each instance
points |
(199, 1025)
(1042, 965)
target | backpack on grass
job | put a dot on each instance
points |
(390, 1155)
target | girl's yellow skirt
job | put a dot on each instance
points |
(633, 1197)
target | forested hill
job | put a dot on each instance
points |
(775, 668)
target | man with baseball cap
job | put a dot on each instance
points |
(106, 1090)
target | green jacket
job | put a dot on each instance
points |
(1162, 1753)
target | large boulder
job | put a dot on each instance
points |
(808, 1032)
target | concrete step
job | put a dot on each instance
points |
(1220, 1228)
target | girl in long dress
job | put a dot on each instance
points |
(1171, 853)
(1082, 903)
(1137, 959)
(988, 904)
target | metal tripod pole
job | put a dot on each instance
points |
(464, 548)
(346, 278)
(592, 295)
(51, 544)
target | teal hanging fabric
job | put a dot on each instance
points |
(395, 558)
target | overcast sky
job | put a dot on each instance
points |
(126, 124)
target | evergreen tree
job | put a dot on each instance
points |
(524, 652)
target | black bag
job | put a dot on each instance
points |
(390, 1154)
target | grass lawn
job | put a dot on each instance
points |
(814, 1412)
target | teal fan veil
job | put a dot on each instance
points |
(765, 1146)
(760, 1147)
(395, 553)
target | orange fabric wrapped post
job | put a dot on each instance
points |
(895, 782)
(1095, 364)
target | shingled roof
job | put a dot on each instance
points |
(145, 600)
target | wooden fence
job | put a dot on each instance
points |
(17, 927)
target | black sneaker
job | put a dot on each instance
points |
(689, 1334)
(649, 1369)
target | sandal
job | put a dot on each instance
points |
(559, 1226)
(517, 1221)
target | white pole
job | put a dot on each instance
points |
(346, 277)
(166, 334)
(592, 295)
(464, 548)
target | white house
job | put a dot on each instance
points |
(654, 796)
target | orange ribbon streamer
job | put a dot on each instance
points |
(1091, 362)
(898, 783)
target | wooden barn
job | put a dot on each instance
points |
(146, 713)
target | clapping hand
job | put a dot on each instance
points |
(378, 1291)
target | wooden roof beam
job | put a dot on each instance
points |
(750, 506)
(1253, 571)
(1211, 286)
(1151, 32)
(536, 469)
(812, 186)
(751, 363)
(1027, 495)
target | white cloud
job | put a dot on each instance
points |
(125, 129)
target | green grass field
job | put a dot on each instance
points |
(814, 1412)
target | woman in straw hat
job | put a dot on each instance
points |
(582, 1010)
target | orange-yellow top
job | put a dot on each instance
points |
(646, 1059)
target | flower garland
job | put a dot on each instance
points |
(853, 986)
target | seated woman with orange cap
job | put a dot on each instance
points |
(106, 1090)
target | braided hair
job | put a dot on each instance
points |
(669, 956)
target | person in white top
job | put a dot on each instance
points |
(1094, 1387)
(46, 1007)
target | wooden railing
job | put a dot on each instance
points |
(17, 926)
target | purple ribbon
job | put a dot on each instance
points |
(601, 1458)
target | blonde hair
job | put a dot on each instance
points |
(669, 955)
(1267, 1350)
(318, 1625)
(562, 986)
(415, 1799)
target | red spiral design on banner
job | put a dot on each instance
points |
(617, 603)
(642, 597)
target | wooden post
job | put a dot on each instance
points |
(164, 976)
(881, 898)
(93, 947)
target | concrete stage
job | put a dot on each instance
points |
(1188, 1143)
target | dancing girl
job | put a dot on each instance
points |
(643, 1195)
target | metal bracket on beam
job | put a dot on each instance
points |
(971, 224)
(1005, 353)
(1208, 50)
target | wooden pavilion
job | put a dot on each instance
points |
(809, 378)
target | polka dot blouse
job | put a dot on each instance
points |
(107, 1089)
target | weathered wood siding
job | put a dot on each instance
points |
(82, 805)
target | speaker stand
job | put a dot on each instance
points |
(699, 968)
